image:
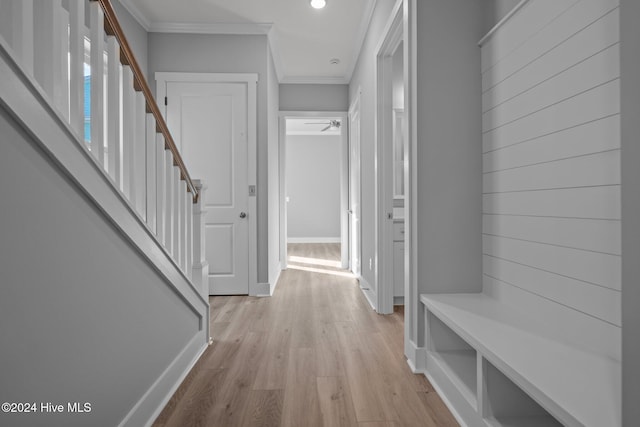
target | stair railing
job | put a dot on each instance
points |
(91, 77)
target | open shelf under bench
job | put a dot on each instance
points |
(576, 386)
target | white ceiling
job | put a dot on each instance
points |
(303, 39)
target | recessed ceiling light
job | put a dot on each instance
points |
(334, 61)
(318, 4)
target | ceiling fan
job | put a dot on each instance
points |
(331, 124)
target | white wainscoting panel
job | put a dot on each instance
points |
(598, 36)
(586, 234)
(551, 164)
(520, 28)
(552, 29)
(593, 137)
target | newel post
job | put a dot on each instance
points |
(200, 264)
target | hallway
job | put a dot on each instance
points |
(314, 354)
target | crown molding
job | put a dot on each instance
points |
(211, 28)
(137, 14)
(257, 29)
(360, 37)
(275, 54)
(318, 80)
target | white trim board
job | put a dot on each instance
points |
(260, 290)
(369, 293)
(416, 357)
(436, 383)
(392, 36)
(171, 379)
(503, 21)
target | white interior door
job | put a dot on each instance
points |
(354, 188)
(209, 124)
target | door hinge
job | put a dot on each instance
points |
(165, 100)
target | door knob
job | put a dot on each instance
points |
(243, 215)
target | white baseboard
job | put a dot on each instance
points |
(274, 282)
(417, 361)
(260, 290)
(416, 358)
(167, 383)
(470, 417)
(313, 239)
(267, 289)
(368, 292)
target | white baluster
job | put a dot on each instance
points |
(140, 158)
(114, 101)
(169, 202)
(177, 202)
(128, 133)
(183, 225)
(22, 32)
(200, 264)
(47, 46)
(151, 172)
(76, 71)
(97, 81)
(161, 188)
(189, 234)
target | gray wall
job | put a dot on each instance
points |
(83, 316)
(313, 186)
(314, 97)
(449, 160)
(630, 157)
(449, 136)
(206, 53)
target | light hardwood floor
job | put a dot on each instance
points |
(314, 354)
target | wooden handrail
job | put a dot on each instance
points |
(112, 27)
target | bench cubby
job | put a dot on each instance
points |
(497, 366)
(455, 357)
(506, 405)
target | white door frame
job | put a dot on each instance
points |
(344, 181)
(251, 80)
(393, 35)
(412, 305)
(356, 181)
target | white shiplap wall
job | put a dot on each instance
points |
(551, 164)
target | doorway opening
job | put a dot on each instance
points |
(313, 181)
(391, 163)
